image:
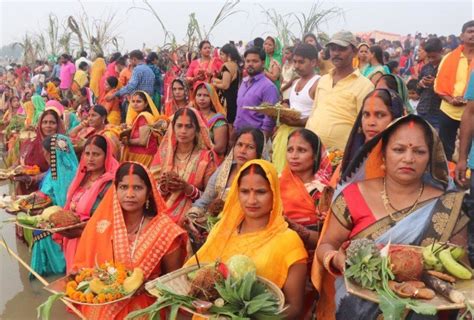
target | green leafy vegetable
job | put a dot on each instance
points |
(44, 310)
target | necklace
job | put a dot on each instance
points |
(181, 161)
(388, 205)
(138, 236)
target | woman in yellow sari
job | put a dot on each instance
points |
(141, 144)
(184, 162)
(252, 224)
(97, 71)
(130, 227)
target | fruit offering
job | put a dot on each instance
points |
(105, 283)
(52, 217)
(445, 258)
(36, 200)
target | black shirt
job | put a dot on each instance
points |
(429, 102)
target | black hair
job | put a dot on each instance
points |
(202, 43)
(315, 143)
(65, 56)
(467, 25)
(255, 50)
(112, 81)
(412, 84)
(427, 132)
(83, 54)
(137, 169)
(100, 110)
(137, 54)
(390, 81)
(386, 96)
(433, 45)
(56, 79)
(50, 112)
(258, 43)
(392, 65)
(143, 96)
(83, 65)
(13, 97)
(257, 136)
(378, 53)
(256, 169)
(232, 52)
(312, 35)
(203, 85)
(115, 56)
(98, 141)
(386, 56)
(152, 56)
(306, 51)
(83, 93)
(190, 114)
(121, 61)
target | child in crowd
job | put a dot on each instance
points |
(413, 93)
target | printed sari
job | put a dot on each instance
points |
(197, 172)
(274, 249)
(437, 219)
(171, 106)
(39, 106)
(370, 71)
(47, 257)
(142, 154)
(105, 238)
(83, 201)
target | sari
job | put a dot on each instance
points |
(143, 155)
(402, 91)
(437, 219)
(276, 58)
(212, 67)
(39, 106)
(29, 112)
(112, 107)
(70, 119)
(197, 171)
(83, 202)
(273, 250)
(97, 70)
(171, 106)
(370, 71)
(105, 238)
(47, 257)
(300, 200)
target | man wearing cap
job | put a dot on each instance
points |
(339, 94)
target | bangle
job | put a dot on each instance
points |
(195, 193)
(162, 189)
(327, 261)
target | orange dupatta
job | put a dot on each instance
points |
(105, 238)
(446, 78)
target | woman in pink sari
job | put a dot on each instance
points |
(94, 177)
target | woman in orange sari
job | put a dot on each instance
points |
(184, 162)
(141, 144)
(130, 227)
(179, 97)
(94, 176)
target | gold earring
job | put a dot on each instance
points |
(382, 166)
(147, 204)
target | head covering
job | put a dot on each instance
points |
(132, 114)
(39, 106)
(212, 94)
(56, 106)
(367, 164)
(277, 53)
(105, 238)
(165, 156)
(343, 38)
(63, 169)
(219, 246)
(171, 105)
(110, 166)
(401, 89)
(357, 138)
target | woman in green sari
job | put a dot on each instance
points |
(375, 69)
(273, 60)
(405, 164)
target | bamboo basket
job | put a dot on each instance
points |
(178, 282)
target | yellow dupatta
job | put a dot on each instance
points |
(274, 249)
(132, 115)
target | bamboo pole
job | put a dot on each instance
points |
(41, 279)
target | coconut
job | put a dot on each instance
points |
(63, 218)
(203, 285)
(406, 263)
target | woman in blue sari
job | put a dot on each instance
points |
(47, 257)
(407, 166)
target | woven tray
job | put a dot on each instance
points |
(59, 286)
(178, 282)
(273, 111)
(441, 303)
(53, 230)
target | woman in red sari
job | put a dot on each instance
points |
(179, 97)
(94, 177)
(184, 162)
(206, 67)
(130, 227)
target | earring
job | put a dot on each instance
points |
(382, 166)
(147, 204)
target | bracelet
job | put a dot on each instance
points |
(195, 193)
(162, 189)
(328, 257)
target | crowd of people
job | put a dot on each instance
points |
(149, 153)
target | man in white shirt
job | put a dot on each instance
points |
(83, 57)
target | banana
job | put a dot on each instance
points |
(458, 253)
(429, 257)
(452, 266)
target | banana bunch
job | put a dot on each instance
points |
(440, 257)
